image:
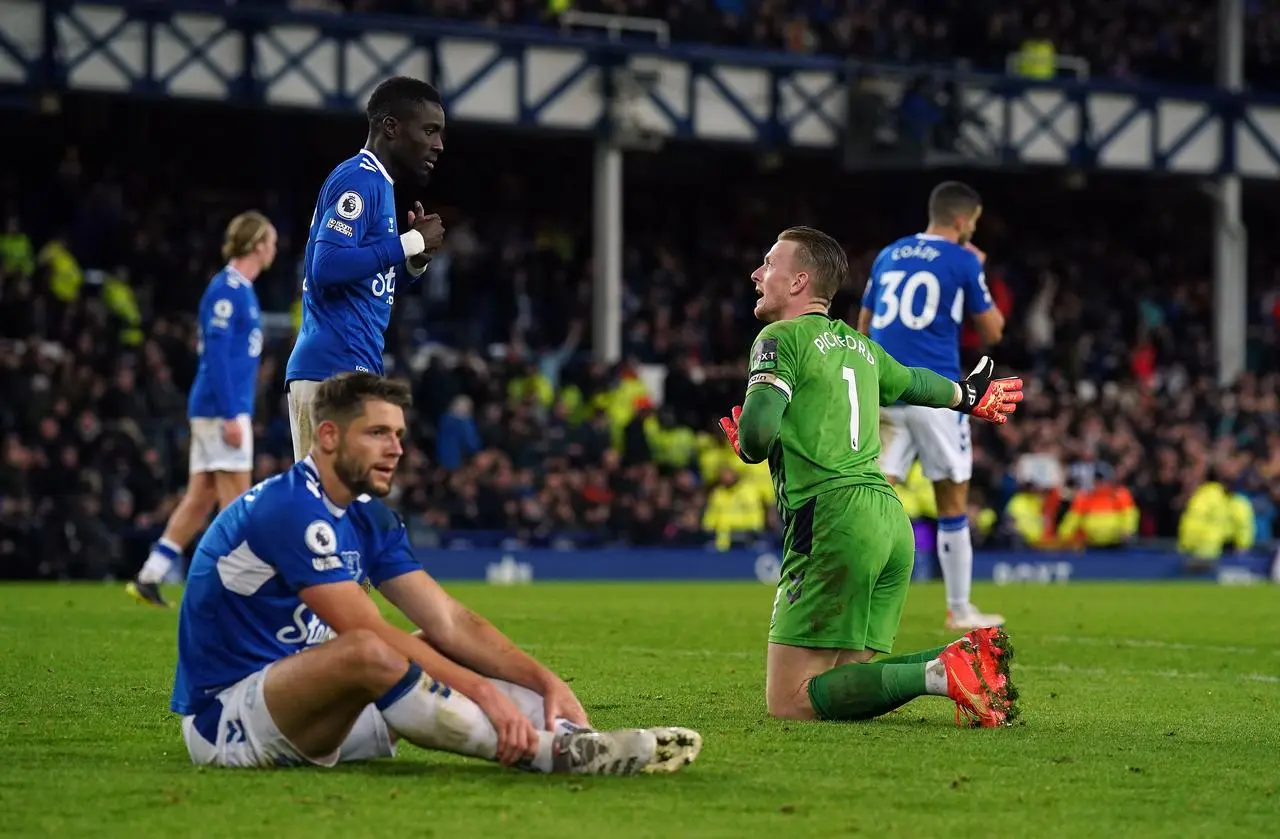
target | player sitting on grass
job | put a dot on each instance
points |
(812, 409)
(283, 657)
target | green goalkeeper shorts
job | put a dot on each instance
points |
(846, 568)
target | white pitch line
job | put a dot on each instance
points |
(1180, 675)
(1065, 669)
(1149, 643)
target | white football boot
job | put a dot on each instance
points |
(626, 751)
(970, 618)
(677, 748)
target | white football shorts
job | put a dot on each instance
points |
(210, 452)
(237, 731)
(301, 394)
(939, 438)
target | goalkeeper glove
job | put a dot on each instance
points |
(729, 425)
(986, 397)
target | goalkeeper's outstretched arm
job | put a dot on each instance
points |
(979, 393)
(761, 417)
(927, 388)
(753, 428)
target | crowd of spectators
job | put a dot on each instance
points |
(1164, 40)
(517, 434)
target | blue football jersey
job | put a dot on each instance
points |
(343, 324)
(230, 348)
(241, 611)
(920, 289)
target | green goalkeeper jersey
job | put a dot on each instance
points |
(835, 379)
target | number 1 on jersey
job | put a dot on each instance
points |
(851, 378)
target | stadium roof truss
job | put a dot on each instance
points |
(543, 80)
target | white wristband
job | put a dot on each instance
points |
(413, 243)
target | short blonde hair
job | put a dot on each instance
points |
(822, 257)
(244, 233)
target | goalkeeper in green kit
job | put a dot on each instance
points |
(812, 410)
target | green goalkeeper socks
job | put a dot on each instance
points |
(863, 691)
(922, 657)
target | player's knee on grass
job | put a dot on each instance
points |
(791, 702)
(794, 702)
(787, 674)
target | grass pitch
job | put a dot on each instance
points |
(1148, 710)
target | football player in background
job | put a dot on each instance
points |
(284, 658)
(920, 289)
(220, 404)
(355, 249)
(812, 410)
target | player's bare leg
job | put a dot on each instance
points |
(315, 697)
(955, 556)
(810, 684)
(788, 671)
(229, 486)
(187, 519)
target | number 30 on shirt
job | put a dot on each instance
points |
(903, 306)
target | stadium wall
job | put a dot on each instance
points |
(525, 565)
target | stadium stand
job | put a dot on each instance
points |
(1174, 42)
(519, 438)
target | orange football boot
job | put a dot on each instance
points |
(977, 701)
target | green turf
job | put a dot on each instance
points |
(1147, 711)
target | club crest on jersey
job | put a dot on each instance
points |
(320, 538)
(350, 205)
(765, 355)
(351, 559)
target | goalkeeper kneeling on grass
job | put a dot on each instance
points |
(812, 410)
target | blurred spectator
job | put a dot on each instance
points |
(734, 509)
(1103, 515)
(1215, 518)
(457, 439)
